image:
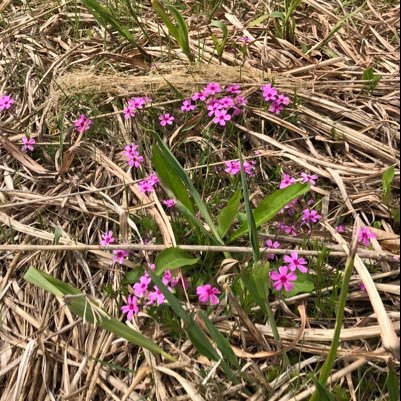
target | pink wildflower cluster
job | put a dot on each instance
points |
(285, 276)
(119, 255)
(135, 104)
(278, 100)
(234, 167)
(222, 104)
(6, 102)
(134, 159)
(145, 294)
(147, 184)
(83, 123)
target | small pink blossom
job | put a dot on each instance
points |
(233, 89)
(365, 235)
(341, 229)
(362, 287)
(276, 108)
(295, 262)
(234, 167)
(308, 178)
(310, 216)
(107, 238)
(83, 123)
(283, 278)
(286, 181)
(221, 117)
(120, 255)
(207, 294)
(133, 156)
(128, 113)
(169, 203)
(213, 88)
(269, 92)
(141, 288)
(290, 230)
(241, 101)
(131, 307)
(6, 102)
(245, 39)
(272, 245)
(187, 106)
(199, 96)
(28, 144)
(166, 119)
(212, 107)
(226, 102)
(147, 184)
(137, 103)
(282, 99)
(156, 296)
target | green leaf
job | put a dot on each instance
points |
(58, 232)
(180, 31)
(219, 44)
(170, 178)
(261, 278)
(177, 169)
(229, 213)
(222, 343)
(259, 20)
(173, 258)
(253, 231)
(392, 383)
(321, 391)
(278, 14)
(89, 309)
(248, 279)
(271, 205)
(304, 284)
(388, 178)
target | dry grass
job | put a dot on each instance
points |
(54, 63)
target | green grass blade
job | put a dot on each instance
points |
(89, 309)
(177, 169)
(392, 383)
(253, 231)
(229, 213)
(271, 205)
(388, 178)
(173, 258)
(322, 392)
(170, 179)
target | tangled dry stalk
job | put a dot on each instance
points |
(340, 131)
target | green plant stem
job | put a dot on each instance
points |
(329, 362)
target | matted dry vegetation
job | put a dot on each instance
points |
(54, 57)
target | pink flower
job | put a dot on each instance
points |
(128, 112)
(166, 119)
(226, 102)
(131, 307)
(221, 117)
(282, 99)
(245, 39)
(283, 278)
(27, 144)
(147, 184)
(120, 255)
(290, 230)
(213, 106)
(169, 203)
(272, 245)
(199, 96)
(133, 156)
(83, 123)
(365, 235)
(233, 89)
(187, 106)
(286, 181)
(156, 296)
(362, 287)
(207, 294)
(233, 168)
(341, 228)
(276, 108)
(141, 287)
(6, 102)
(107, 238)
(240, 101)
(310, 216)
(309, 178)
(294, 262)
(137, 103)
(213, 88)
(269, 92)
